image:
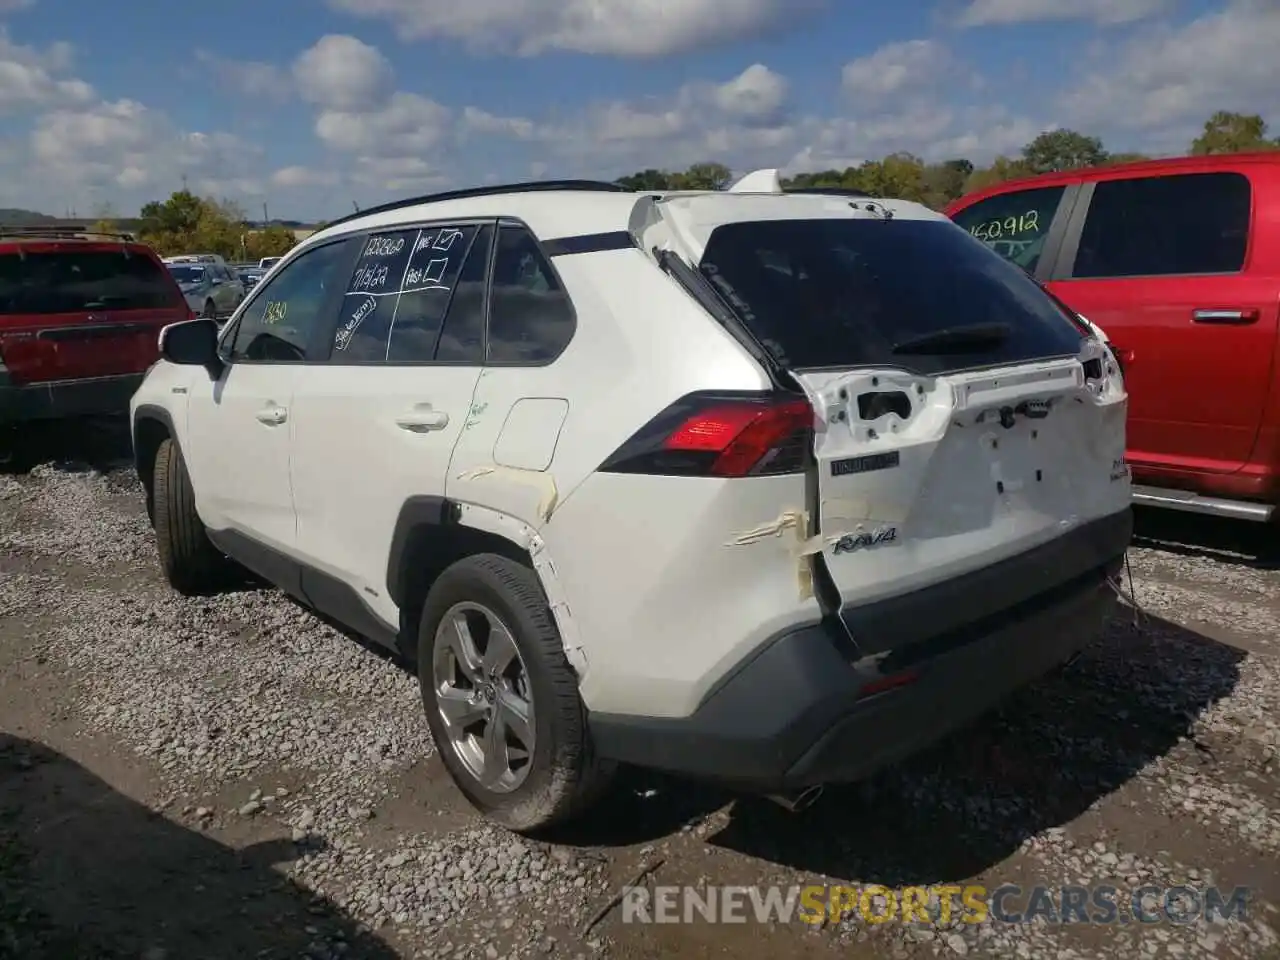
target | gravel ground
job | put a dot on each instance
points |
(231, 777)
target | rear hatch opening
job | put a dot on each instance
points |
(961, 417)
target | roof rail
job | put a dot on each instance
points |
(830, 191)
(60, 232)
(536, 186)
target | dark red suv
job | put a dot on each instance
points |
(80, 319)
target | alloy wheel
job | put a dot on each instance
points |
(484, 696)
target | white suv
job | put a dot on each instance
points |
(763, 488)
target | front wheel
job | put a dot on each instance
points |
(210, 311)
(501, 698)
(191, 563)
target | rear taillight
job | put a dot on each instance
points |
(721, 435)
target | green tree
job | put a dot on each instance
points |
(1057, 150)
(274, 241)
(1127, 158)
(1001, 169)
(186, 223)
(1226, 132)
(944, 182)
(704, 176)
(899, 176)
(650, 179)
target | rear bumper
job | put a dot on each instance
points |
(66, 398)
(798, 712)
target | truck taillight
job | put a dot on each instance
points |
(721, 435)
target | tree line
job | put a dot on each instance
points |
(187, 223)
(907, 177)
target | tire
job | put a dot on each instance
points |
(191, 563)
(210, 311)
(563, 776)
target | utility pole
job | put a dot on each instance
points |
(355, 206)
(266, 219)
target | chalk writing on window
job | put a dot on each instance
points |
(1008, 228)
(352, 318)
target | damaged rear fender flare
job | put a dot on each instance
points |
(419, 516)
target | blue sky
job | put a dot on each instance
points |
(310, 106)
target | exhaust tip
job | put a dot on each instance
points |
(800, 800)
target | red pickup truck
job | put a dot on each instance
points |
(80, 321)
(1178, 262)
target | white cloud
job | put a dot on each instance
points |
(1167, 81)
(31, 78)
(897, 68)
(407, 124)
(342, 73)
(397, 174)
(1102, 12)
(125, 146)
(755, 95)
(249, 78)
(627, 28)
(292, 178)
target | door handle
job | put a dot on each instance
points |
(1225, 316)
(272, 416)
(422, 419)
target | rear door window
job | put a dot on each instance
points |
(1015, 224)
(1193, 223)
(76, 281)
(918, 294)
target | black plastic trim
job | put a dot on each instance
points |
(589, 243)
(895, 624)
(148, 411)
(416, 515)
(792, 715)
(322, 592)
(537, 186)
(93, 331)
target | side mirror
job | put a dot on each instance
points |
(192, 343)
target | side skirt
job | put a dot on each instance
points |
(322, 592)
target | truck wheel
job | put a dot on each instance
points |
(501, 698)
(210, 311)
(191, 563)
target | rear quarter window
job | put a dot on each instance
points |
(75, 280)
(855, 292)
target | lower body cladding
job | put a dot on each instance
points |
(808, 709)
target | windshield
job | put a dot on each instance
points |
(269, 262)
(73, 281)
(185, 274)
(904, 293)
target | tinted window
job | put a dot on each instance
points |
(74, 281)
(1158, 226)
(848, 292)
(531, 319)
(418, 333)
(287, 316)
(1014, 225)
(185, 274)
(398, 295)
